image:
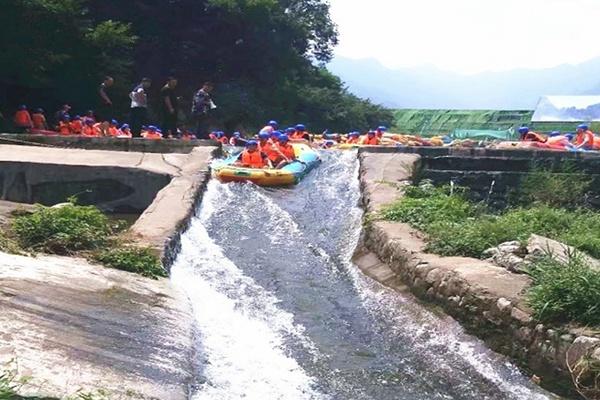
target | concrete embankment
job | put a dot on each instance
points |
(68, 325)
(488, 300)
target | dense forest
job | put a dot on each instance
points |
(266, 58)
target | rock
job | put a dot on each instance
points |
(503, 305)
(491, 253)
(510, 247)
(521, 316)
(539, 246)
(582, 347)
(511, 262)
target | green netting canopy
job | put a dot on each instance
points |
(480, 134)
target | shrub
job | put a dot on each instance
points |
(139, 260)
(456, 227)
(63, 230)
(565, 292)
(8, 244)
(555, 189)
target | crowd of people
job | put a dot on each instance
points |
(582, 139)
(101, 121)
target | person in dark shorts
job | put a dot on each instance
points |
(201, 107)
(169, 107)
(104, 109)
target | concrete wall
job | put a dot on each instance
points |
(495, 175)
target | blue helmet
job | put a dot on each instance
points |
(77, 118)
(66, 117)
(273, 123)
(251, 143)
(583, 127)
(523, 130)
(125, 126)
(39, 110)
(152, 128)
(371, 133)
(382, 128)
(555, 133)
(22, 107)
(114, 122)
(354, 134)
(284, 138)
(264, 135)
(300, 128)
(569, 136)
(290, 130)
(237, 134)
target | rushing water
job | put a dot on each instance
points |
(282, 313)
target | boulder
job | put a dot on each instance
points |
(540, 246)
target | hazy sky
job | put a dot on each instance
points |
(469, 36)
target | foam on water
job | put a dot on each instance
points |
(242, 331)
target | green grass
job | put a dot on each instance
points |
(565, 292)
(457, 227)
(138, 260)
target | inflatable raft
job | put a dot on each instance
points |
(291, 174)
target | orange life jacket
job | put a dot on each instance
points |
(253, 160)
(287, 150)
(113, 131)
(90, 131)
(64, 128)
(76, 127)
(23, 119)
(124, 133)
(374, 141)
(298, 135)
(581, 137)
(39, 121)
(534, 137)
(151, 135)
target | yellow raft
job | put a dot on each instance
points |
(291, 174)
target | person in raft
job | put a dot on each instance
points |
(252, 157)
(22, 119)
(286, 153)
(271, 127)
(76, 125)
(353, 138)
(528, 135)
(380, 131)
(370, 139)
(39, 120)
(300, 133)
(584, 139)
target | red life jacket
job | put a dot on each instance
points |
(253, 159)
(90, 131)
(23, 119)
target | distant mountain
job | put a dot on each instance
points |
(431, 88)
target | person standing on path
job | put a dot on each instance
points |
(104, 111)
(201, 106)
(139, 106)
(170, 107)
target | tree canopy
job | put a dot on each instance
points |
(267, 57)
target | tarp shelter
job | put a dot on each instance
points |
(567, 109)
(479, 134)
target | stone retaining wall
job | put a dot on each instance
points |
(488, 300)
